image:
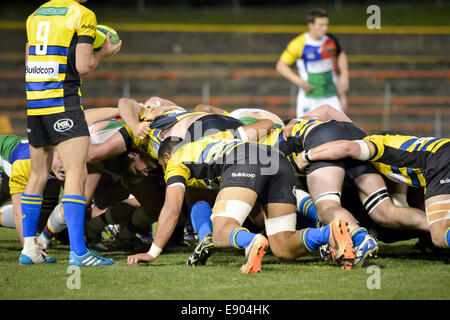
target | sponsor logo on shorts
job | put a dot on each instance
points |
(243, 175)
(42, 70)
(63, 125)
(444, 181)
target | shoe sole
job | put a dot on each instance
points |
(196, 259)
(253, 260)
(368, 253)
(341, 244)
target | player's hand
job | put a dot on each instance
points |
(152, 113)
(140, 257)
(301, 161)
(288, 129)
(142, 129)
(306, 86)
(107, 49)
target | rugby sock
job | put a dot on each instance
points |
(74, 210)
(201, 218)
(55, 224)
(306, 208)
(241, 238)
(7, 216)
(313, 238)
(31, 209)
(447, 237)
(358, 236)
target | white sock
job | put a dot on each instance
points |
(55, 224)
(7, 216)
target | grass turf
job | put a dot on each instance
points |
(404, 274)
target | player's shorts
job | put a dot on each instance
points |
(273, 181)
(331, 131)
(210, 124)
(437, 172)
(52, 129)
(306, 104)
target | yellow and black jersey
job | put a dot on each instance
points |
(53, 31)
(405, 159)
(300, 127)
(149, 145)
(201, 162)
(170, 118)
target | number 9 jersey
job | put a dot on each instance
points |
(52, 80)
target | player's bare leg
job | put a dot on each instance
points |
(376, 200)
(438, 216)
(233, 205)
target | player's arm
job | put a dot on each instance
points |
(99, 114)
(167, 221)
(27, 50)
(86, 60)
(114, 146)
(20, 174)
(130, 111)
(286, 71)
(343, 79)
(151, 114)
(358, 149)
(256, 130)
(287, 59)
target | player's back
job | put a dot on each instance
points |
(53, 31)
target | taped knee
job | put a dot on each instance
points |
(234, 209)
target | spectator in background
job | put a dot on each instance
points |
(322, 65)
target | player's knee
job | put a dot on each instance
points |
(438, 238)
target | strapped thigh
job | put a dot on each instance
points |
(373, 200)
(438, 211)
(235, 209)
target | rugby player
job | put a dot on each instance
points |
(325, 180)
(244, 177)
(59, 51)
(322, 66)
(417, 162)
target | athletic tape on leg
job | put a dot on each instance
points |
(438, 211)
(373, 200)
(332, 195)
(235, 209)
(280, 224)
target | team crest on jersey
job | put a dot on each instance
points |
(63, 125)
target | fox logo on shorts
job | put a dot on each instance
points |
(63, 125)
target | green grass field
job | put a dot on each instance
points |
(404, 274)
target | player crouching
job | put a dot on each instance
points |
(248, 172)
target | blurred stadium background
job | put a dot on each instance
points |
(224, 53)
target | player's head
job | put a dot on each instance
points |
(166, 149)
(140, 164)
(317, 21)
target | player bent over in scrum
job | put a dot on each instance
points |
(247, 171)
(417, 162)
